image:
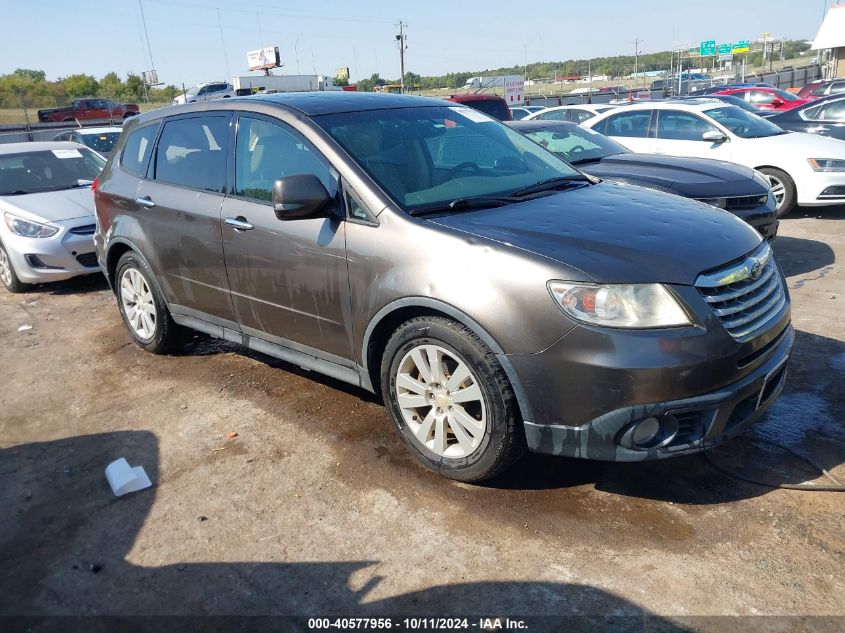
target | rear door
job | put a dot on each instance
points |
(679, 133)
(829, 120)
(179, 212)
(289, 279)
(631, 129)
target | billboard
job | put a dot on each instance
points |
(514, 89)
(707, 48)
(740, 47)
(341, 74)
(264, 58)
(150, 78)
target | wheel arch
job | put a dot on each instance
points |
(117, 248)
(794, 184)
(391, 316)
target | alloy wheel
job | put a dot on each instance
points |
(138, 305)
(778, 189)
(441, 401)
(5, 268)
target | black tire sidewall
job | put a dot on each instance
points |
(486, 458)
(789, 191)
(162, 339)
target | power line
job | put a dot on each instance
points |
(223, 42)
(147, 35)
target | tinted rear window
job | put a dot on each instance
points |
(137, 150)
(192, 153)
(495, 108)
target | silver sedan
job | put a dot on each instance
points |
(47, 212)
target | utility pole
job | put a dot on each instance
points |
(223, 42)
(637, 42)
(400, 42)
(147, 35)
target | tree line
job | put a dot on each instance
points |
(613, 66)
(30, 88)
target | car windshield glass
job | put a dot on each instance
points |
(103, 143)
(783, 94)
(575, 144)
(743, 124)
(49, 170)
(738, 102)
(428, 156)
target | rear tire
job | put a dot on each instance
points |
(8, 274)
(783, 188)
(450, 400)
(142, 306)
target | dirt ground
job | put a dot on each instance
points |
(315, 507)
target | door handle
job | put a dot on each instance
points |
(239, 223)
(145, 202)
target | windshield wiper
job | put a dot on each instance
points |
(561, 182)
(463, 204)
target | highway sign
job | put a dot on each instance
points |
(740, 47)
(708, 48)
(724, 49)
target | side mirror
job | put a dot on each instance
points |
(777, 102)
(714, 136)
(299, 197)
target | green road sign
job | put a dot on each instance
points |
(740, 47)
(708, 48)
(725, 49)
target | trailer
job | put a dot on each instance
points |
(252, 84)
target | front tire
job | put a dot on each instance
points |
(783, 188)
(450, 400)
(142, 305)
(8, 275)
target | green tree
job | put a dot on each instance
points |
(35, 75)
(111, 86)
(133, 90)
(80, 85)
(367, 85)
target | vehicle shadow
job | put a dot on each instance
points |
(798, 256)
(64, 541)
(806, 419)
(84, 284)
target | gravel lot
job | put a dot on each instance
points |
(316, 508)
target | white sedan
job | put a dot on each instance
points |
(803, 169)
(572, 113)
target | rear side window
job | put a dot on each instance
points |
(192, 153)
(833, 111)
(495, 108)
(137, 149)
(579, 116)
(837, 87)
(631, 124)
(758, 97)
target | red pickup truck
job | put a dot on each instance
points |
(89, 109)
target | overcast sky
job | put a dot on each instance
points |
(64, 37)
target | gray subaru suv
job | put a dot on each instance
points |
(497, 299)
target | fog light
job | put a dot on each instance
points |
(645, 432)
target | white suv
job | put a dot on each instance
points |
(206, 92)
(803, 169)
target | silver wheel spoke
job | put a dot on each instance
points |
(467, 394)
(463, 439)
(457, 378)
(406, 382)
(459, 415)
(434, 361)
(411, 401)
(422, 365)
(440, 436)
(425, 428)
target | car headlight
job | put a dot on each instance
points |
(619, 305)
(826, 164)
(28, 228)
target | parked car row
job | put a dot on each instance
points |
(497, 298)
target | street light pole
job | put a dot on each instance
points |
(637, 43)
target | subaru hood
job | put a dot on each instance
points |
(689, 177)
(616, 233)
(52, 206)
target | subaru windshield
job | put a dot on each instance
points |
(743, 124)
(436, 158)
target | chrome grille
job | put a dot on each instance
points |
(747, 295)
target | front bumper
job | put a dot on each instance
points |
(762, 218)
(588, 389)
(821, 189)
(62, 256)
